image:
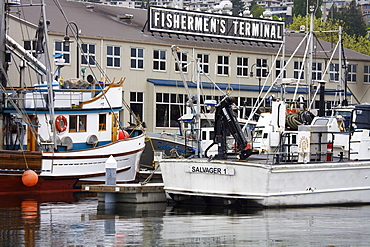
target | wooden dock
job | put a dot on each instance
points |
(129, 193)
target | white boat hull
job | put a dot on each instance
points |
(269, 185)
(91, 162)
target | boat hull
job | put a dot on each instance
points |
(268, 185)
(65, 171)
(13, 184)
(164, 146)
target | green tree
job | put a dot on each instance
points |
(256, 10)
(357, 43)
(238, 7)
(300, 8)
(353, 23)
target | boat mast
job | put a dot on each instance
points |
(310, 55)
(198, 124)
(195, 110)
(49, 78)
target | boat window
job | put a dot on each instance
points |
(204, 135)
(321, 121)
(343, 113)
(265, 135)
(82, 123)
(77, 123)
(102, 122)
(204, 123)
(211, 135)
(72, 123)
(294, 139)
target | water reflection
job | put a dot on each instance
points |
(20, 216)
(80, 220)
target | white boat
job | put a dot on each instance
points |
(315, 162)
(64, 131)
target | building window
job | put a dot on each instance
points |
(242, 66)
(169, 108)
(367, 73)
(137, 58)
(77, 123)
(113, 56)
(159, 60)
(246, 106)
(261, 68)
(60, 48)
(334, 72)
(88, 54)
(183, 60)
(204, 62)
(352, 69)
(298, 70)
(278, 69)
(102, 122)
(30, 46)
(137, 106)
(223, 65)
(316, 71)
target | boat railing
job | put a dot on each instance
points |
(320, 149)
(64, 98)
(190, 142)
(356, 144)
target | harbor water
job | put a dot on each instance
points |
(78, 219)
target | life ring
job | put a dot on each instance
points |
(122, 134)
(61, 123)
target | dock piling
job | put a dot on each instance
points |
(110, 178)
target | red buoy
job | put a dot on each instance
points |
(29, 178)
(122, 134)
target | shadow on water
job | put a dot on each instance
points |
(132, 210)
(180, 209)
(165, 209)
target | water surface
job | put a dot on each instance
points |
(80, 220)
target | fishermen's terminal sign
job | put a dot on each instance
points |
(214, 25)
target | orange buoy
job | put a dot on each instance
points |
(123, 135)
(29, 178)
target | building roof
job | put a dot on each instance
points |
(113, 22)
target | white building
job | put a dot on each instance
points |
(119, 41)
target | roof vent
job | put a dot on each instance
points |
(90, 7)
(125, 18)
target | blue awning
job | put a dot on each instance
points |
(234, 87)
